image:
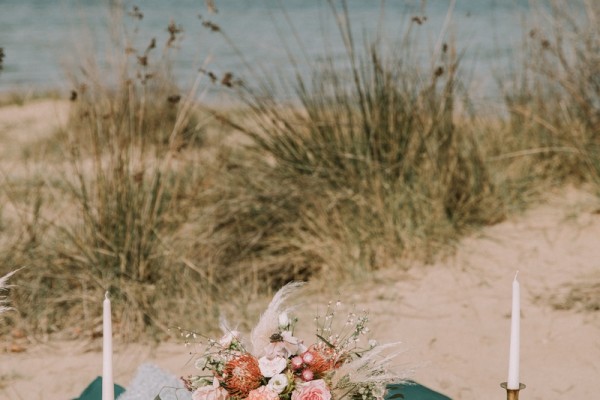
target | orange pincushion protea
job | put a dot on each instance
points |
(324, 359)
(241, 375)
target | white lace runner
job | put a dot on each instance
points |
(150, 381)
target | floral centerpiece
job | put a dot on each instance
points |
(277, 365)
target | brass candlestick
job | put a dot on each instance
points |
(512, 394)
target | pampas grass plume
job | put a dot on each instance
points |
(269, 321)
(3, 287)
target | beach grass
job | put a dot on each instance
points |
(179, 209)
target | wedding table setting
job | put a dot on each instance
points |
(335, 367)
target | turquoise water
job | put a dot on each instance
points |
(43, 39)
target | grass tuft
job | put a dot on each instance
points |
(554, 102)
(372, 161)
(369, 164)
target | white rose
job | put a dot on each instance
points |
(270, 367)
(278, 383)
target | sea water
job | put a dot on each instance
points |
(46, 41)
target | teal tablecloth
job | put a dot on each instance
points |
(413, 391)
(94, 390)
(410, 391)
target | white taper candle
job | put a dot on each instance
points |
(107, 371)
(515, 331)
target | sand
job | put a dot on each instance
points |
(453, 317)
(22, 126)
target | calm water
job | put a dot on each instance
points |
(43, 39)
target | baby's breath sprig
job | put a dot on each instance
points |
(190, 337)
(345, 337)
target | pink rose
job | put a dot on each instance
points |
(210, 392)
(313, 390)
(262, 393)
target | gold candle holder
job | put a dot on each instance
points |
(512, 394)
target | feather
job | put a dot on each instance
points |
(4, 286)
(269, 320)
(371, 367)
(224, 325)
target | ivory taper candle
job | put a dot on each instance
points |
(107, 371)
(515, 331)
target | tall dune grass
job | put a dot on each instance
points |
(369, 164)
(554, 100)
(374, 162)
(125, 191)
(130, 187)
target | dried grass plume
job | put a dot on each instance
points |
(269, 320)
(3, 287)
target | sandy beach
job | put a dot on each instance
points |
(453, 316)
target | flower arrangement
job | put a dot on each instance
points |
(280, 366)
